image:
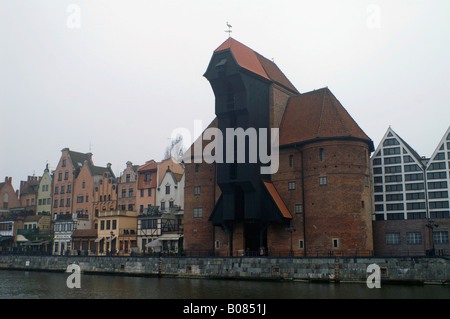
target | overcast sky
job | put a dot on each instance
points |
(116, 77)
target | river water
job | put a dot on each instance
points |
(16, 284)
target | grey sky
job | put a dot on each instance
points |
(133, 70)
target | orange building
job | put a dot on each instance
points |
(88, 179)
(105, 194)
(147, 181)
(68, 169)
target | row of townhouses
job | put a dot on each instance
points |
(83, 208)
(331, 193)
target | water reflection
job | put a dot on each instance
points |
(30, 285)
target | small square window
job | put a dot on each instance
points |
(322, 180)
(291, 186)
(298, 208)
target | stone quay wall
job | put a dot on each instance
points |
(392, 269)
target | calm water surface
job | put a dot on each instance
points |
(32, 285)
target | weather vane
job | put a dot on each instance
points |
(229, 29)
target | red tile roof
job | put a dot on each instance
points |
(255, 62)
(317, 115)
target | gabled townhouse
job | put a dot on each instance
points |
(89, 177)
(9, 204)
(147, 182)
(28, 193)
(105, 193)
(8, 196)
(127, 188)
(44, 194)
(67, 170)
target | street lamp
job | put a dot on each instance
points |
(111, 245)
(291, 229)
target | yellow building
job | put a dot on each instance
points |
(116, 232)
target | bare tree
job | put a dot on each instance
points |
(175, 148)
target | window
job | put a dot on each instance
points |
(437, 175)
(392, 160)
(114, 224)
(412, 196)
(64, 163)
(147, 177)
(335, 242)
(66, 176)
(440, 237)
(149, 192)
(59, 176)
(127, 178)
(322, 180)
(69, 188)
(298, 208)
(322, 155)
(414, 238)
(394, 197)
(80, 199)
(102, 225)
(390, 207)
(392, 169)
(217, 244)
(392, 239)
(124, 193)
(84, 184)
(197, 168)
(301, 244)
(443, 194)
(131, 192)
(390, 141)
(198, 212)
(291, 160)
(443, 204)
(163, 205)
(108, 224)
(196, 190)
(167, 189)
(393, 179)
(391, 151)
(291, 186)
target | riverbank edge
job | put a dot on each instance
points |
(393, 270)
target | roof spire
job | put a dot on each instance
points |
(229, 29)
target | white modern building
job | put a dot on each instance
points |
(410, 196)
